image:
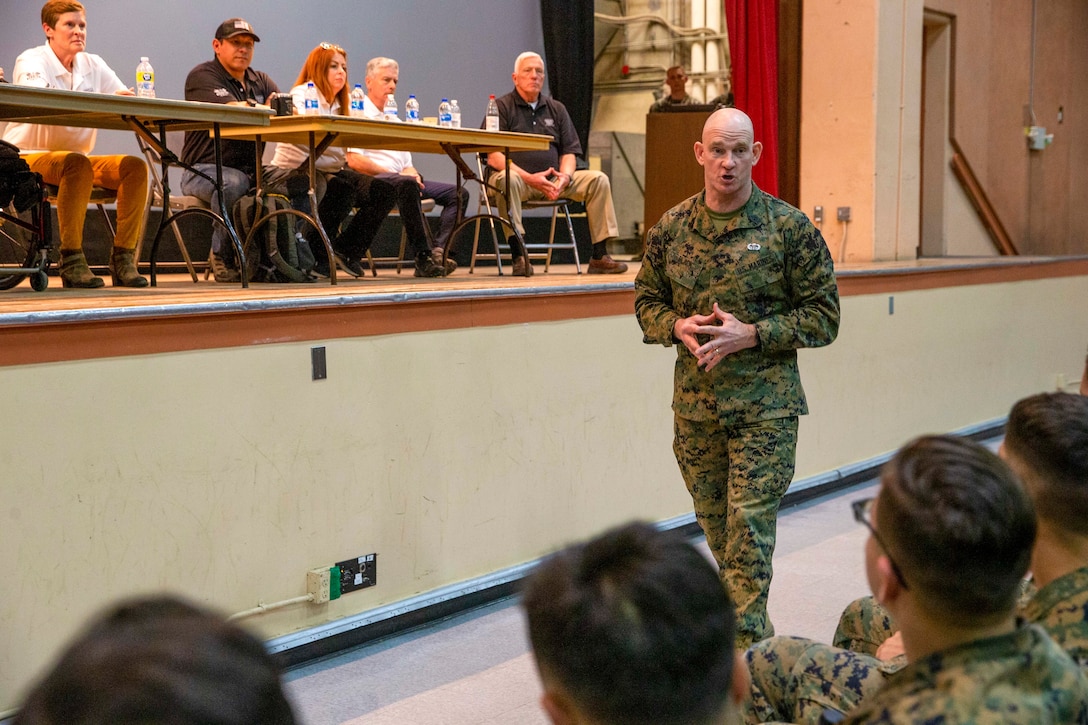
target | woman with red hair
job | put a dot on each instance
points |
(339, 189)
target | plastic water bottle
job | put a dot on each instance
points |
(411, 110)
(145, 79)
(455, 114)
(357, 100)
(309, 100)
(491, 121)
(390, 110)
(445, 119)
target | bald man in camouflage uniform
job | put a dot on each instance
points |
(1047, 445)
(740, 280)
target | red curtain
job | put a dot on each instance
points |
(753, 48)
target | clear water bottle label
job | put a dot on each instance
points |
(411, 115)
(492, 123)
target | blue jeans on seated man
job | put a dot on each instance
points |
(235, 185)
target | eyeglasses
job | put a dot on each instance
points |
(332, 46)
(863, 514)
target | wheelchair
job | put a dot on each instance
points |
(25, 243)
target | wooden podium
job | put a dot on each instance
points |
(672, 173)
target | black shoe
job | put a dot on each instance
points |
(352, 266)
(427, 267)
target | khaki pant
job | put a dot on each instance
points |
(592, 188)
(75, 174)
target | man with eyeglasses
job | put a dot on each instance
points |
(738, 281)
(228, 79)
(552, 173)
(1046, 445)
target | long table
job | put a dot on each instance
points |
(150, 119)
(319, 132)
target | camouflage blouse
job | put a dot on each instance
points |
(1022, 677)
(769, 267)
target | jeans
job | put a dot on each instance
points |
(235, 185)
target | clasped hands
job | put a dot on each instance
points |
(549, 182)
(726, 335)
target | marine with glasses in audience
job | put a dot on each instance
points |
(1046, 446)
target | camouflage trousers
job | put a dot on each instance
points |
(863, 626)
(736, 477)
(794, 680)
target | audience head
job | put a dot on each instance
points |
(160, 661)
(382, 76)
(676, 79)
(960, 527)
(1046, 443)
(233, 46)
(529, 75)
(633, 626)
(327, 67)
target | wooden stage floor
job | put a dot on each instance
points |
(176, 291)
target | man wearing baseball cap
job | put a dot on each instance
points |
(227, 78)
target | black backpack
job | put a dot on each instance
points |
(17, 182)
(276, 254)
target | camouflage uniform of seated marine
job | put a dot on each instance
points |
(794, 679)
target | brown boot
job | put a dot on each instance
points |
(74, 271)
(123, 268)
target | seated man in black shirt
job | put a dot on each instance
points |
(228, 79)
(549, 174)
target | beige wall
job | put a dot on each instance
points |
(861, 108)
(227, 474)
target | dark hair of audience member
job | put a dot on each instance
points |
(635, 626)
(960, 526)
(160, 661)
(1049, 434)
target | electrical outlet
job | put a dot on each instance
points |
(318, 582)
(818, 215)
(317, 363)
(844, 213)
(358, 573)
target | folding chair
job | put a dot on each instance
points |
(177, 203)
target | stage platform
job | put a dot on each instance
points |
(181, 315)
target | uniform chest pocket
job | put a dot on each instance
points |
(681, 269)
(753, 281)
(762, 289)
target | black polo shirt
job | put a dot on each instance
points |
(549, 118)
(211, 83)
